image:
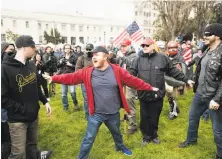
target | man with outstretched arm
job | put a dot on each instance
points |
(104, 87)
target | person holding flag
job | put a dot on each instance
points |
(124, 58)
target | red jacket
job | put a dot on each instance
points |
(123, 77)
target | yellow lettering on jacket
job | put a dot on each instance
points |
(22, 81)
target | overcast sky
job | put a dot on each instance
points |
(115, 9)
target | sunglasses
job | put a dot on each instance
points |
(88, 49)
(207, 34)
(143, 45)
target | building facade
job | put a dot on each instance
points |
(145, 14)
(74, 29)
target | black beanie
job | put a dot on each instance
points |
(215, 29)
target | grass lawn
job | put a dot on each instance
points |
(63, 133)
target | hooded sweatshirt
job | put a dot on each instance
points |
(4, 46)
(19, 90)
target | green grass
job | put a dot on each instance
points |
(63, 133)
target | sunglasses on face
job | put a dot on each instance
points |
(88, 50)
(207, 34)
(144, 45)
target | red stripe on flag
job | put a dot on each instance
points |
(121, 38)
(137, 36)
(120, 35)
(138, 39)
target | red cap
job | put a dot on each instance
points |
(125, 42)
(147, 42)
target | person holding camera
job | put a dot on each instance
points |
(66, 64)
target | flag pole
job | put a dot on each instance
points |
(125, 115)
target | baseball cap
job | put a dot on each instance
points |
(147, 42)
(100, 49)
(125, 42)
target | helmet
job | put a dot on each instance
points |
(89, 47)
(172, 44)
(161, 44)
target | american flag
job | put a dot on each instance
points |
(187, 55)
(132, 31)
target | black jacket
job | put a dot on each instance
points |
(19, 90)
(77, 55)
(50, 63)
(83, 61)
(4, 46)
(127, 59)
(179, 62)
(63, 67)
(213, 75)
(151, 68)
(195, 60)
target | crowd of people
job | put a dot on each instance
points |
(110, 79)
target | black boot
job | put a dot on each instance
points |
(217, 157)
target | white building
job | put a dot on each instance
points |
(73, 28)
(145, 15)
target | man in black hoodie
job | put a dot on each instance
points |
(20, 98)
(6, 48)
(6, 141)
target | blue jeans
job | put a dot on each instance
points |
(112, 121)
(198, 106)
(64, 95)
(85, 99)
(4, 116)
(206, 113)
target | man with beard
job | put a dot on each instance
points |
(208, 89)
(178, 61)
(151, 67)
(104, 87)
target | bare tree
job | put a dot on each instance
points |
(203, 13)
(10, 36)
(179, 17)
